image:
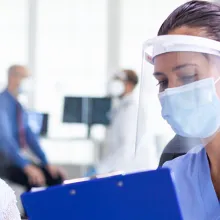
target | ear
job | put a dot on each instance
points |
(129, 86)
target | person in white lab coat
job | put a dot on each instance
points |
(121, 135)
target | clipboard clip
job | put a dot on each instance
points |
(93, 177)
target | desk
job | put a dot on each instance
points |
(77, 152)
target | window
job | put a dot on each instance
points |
(14, 35)
(71, 53)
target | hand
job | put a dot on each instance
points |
(55, 172)
(35, 175)
(91, 172)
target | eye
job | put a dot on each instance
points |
(163, 84)
(188, 79)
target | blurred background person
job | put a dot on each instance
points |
(16, 137)
(121, 134)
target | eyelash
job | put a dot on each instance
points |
(185, 79)
(161, 82)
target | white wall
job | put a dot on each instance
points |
(71, 55)
(13, 26)
(140, 20)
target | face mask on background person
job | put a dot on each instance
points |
(116, 88)
(24, 86)
(192, 110)
(23, 91)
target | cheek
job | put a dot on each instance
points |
(215, 73)
(18, 82)
(15, 82)
(217, 86)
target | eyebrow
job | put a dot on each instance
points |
(157, 74)
(183, 66)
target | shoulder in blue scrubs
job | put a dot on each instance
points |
(195, 191)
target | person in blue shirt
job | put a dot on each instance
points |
(186, 60)
(16, 137)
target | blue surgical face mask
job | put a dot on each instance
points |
(192, 110)
(116, 88)
(24, 86)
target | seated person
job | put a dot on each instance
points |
(16, 136)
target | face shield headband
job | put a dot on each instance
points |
(179, 43)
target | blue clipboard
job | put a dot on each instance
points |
(138, 196)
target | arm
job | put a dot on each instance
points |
(33, 142)
(9, 145)
(35, 145)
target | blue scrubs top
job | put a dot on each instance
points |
(195, 191)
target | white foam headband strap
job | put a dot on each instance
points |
(179, 43)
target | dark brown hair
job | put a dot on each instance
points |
(198, 14)
(131, 76)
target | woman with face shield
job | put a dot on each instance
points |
(186, 60)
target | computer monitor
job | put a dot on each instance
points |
(100, 108)
(44, 128)
(87, 110)
(38, 122)
(73, 110)
(35, 121)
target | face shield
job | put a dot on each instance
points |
(180, 90)
(178, 106)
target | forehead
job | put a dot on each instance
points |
(166, 62)
(169, 60)
(21, 71)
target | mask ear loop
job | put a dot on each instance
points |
(216, 81)
(218, 130)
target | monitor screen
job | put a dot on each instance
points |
(72, 110)
(44, 129)
(87, 110)
(38, 122)
(35, 121)
(100, 107)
